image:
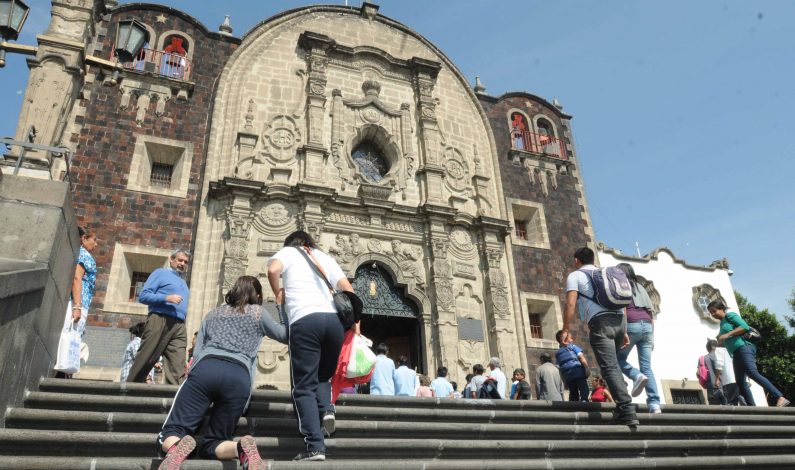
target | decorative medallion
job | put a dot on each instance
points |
(374, 245)
(456, 170)
(500, 301)
(275, 214)
(371, 115)
(236, 247)
(282, 137)
(444, 293)
(461, 239)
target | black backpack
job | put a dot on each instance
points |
(489, 389)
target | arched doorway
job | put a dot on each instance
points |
(389, 316)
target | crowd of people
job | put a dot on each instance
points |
(219, 373)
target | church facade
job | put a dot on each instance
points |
(454, 213)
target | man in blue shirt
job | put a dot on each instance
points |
(405, 379)
(166, 294)
(440, 386)
(381, 383)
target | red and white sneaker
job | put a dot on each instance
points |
(177, 454)
(248, 453)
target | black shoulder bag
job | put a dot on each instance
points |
(348, 305)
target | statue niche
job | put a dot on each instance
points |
(371, 143)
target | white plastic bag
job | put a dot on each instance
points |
(362, 358)
(68, 360)
(68, 352)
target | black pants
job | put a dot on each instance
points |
(578, 389)
(223, 383)
(315, 343)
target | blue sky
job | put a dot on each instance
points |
(682, 111)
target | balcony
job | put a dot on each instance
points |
(166, 64)
(538, 143)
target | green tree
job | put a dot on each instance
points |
(775, 357)
(791, 318)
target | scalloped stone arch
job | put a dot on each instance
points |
(412, 292)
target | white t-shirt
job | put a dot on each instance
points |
(305, 292)
(499, 376)
(724, 362)
(580, 282)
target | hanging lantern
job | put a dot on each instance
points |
(130, 38)
(13, 14)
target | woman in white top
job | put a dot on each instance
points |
(315, 333)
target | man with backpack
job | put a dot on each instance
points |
(707, 376)
(585, 293)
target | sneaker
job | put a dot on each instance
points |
(329, 423)
(177, 454)
(639, 385)
(654, 408)
(248, 454)
(782, 402)
(311, 456)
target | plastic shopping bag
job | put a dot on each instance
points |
(68, 351)
(362, 358)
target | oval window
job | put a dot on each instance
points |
(370, 161)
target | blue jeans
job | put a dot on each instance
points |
(744, 360)
(641, 334)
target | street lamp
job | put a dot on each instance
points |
(13, 14)
(130, 38)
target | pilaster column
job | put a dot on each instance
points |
(315, 151)
(443, 298)
(430, 170)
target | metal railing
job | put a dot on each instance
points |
(538, 143)
(55, 152)
(167, 64)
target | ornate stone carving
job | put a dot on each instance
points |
(277, 214)
(351, 219)
(345, 249)
(403, 227)
(282, 137)
(407, 258)
(233, 269)
(461, 240)
(457, 175)
(444, 293)
(375, 245)
(249, 116)
(464, 270)
(238, 220)
(271, 354)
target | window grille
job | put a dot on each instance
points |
(137, 284)
(687, 397)
(521, 229)
(161, 174)
(535, 326)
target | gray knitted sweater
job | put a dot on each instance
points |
(228, 332)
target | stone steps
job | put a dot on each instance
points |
(43, 419)
(687, 463)
(74, 424)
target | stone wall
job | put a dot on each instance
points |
(551, 187)
(37, 262)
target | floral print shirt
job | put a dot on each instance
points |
(89, 277)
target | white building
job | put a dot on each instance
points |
(680, 292)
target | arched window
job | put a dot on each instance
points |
(174, 62)
(519, 131)
(370, 161)
(547, 142)
(702, 296)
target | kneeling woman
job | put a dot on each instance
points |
(221, 375)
